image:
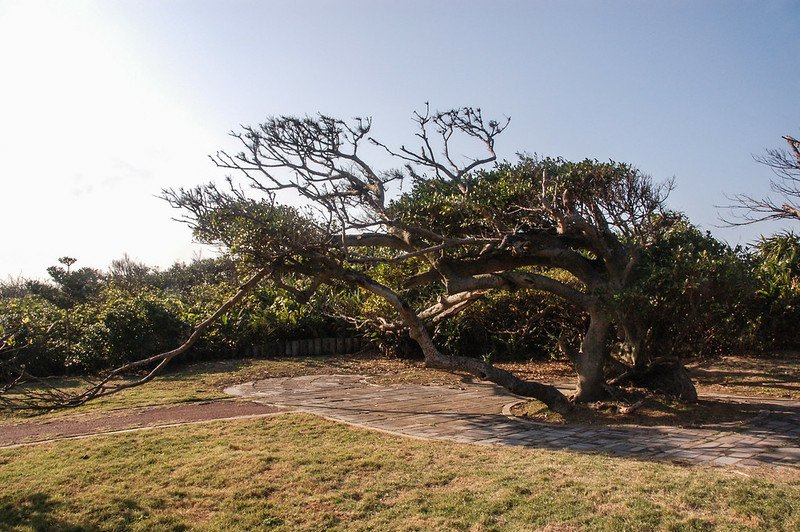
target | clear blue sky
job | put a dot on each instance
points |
(103, 103)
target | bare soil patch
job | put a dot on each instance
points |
(127, 419)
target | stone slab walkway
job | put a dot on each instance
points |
(476, 413)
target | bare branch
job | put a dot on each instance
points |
(746, 209)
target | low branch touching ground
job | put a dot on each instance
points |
(16, 397)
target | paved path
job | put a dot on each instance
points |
(476, 413)
(128, 419)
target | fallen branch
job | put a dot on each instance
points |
(630, 409)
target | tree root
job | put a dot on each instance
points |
(667, 376)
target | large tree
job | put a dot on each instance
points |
(461, 231)
(305, 207)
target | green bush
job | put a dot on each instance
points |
(694, 295)
(39, 328)
(776, 265)
(126, 329)
(522, 325)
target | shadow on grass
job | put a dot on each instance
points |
(37, 512)
(769, 378)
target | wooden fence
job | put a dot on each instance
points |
(309, 347)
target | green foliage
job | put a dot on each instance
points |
(136, 311)
(270, 314)
(255, 231)
(126, 328)
(694, 295)
(439, 204)
(776, 264)
(183, 277)
(509, 196)
(510, 326)
(68, 287)
(38, 328)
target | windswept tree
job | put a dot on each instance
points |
(305, 207)
(575, 230)
(785, 164)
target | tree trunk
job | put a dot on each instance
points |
(636, 336)
(549, 395)
(663, 374)
(590, 363)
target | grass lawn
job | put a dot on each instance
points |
(299, 472)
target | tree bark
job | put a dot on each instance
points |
(590, 363)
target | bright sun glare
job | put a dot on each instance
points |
(89, 136)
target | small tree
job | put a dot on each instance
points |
(68, 287)
(129, 274)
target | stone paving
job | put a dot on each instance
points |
(477, 413)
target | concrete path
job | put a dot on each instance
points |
(477, 413)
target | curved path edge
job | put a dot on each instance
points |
(477, 413)
(130, 420)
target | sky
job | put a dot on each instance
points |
(103, 104)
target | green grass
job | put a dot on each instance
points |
(299, 472)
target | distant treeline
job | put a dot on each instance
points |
(85, 319)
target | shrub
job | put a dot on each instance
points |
(126, 329)
(695, 295)
(776, 265)
(38, 325)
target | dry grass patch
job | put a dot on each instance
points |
(299, 472)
